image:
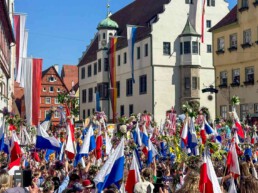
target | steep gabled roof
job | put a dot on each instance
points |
(46, 71)
(230, 18)
(139, 12)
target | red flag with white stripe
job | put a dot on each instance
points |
(13, 166)
(15, 148)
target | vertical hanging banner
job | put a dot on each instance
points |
(21, 38)
(131, 36)
(113, 93)
(203, 13)
(32, 69)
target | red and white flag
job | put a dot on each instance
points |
(184, 132)
(99, 143)
(134, 175)
(232, 160)
(31, 82)
(208, 180)
(203, 134)
(13, 166)
(15, 148)
(70, 148)
(21, 37)
(254, 138)
(237, 124)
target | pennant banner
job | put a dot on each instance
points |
(32, 70)
(113, 90)
(21, 42)
(131, 36)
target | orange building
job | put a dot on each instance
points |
(51, 85)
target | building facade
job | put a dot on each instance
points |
(6, 42)
(171, 62)
(51, 85)
(235, 59)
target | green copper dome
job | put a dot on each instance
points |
(107, 24)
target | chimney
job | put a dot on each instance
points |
(56, 67)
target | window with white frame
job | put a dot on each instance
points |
(236, 76)
(51, 89)
(208, 23)
(57, 114)
(247, 36)
(48, 100)
(223, 111)
(223, 78)
(221, 44)
(44, 89)
(211, 3)
(56, 101)
(244, 110)
(209, 48)
(233, 40)
(249, 74)
(58, 90)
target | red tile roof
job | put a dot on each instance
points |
(139, 12)
(69, 74)
(230, 18)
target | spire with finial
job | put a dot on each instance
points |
(108, 8)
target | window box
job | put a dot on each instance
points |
(223, 86)
(233, 48)
(246, 45)
(221, 51)
(243, 9)
(235, 84)
(255, 3)
(250, 82)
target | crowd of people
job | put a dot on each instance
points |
(185, 154)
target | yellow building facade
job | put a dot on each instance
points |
(235, 55)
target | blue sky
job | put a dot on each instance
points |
(60, 30)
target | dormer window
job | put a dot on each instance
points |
(51, 79)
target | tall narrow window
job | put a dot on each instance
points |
(221, 44)
(122, 110)
(236, 76)
(90, 95)
(166, 48)
(84, 95)
(138, 52)
(130, 109)
(89, 71)
(195, 85)
(187, 47)
(118, 60)
(233, 40)
(95, 68)
(143, 84)
(125, 58)
(187, 83)
(82, 72)
(195, 47)
(247, 36)
(208, 23)
(84, 114)
(146, 50)
(129, 87)
(209, 48)
(223, 78)
(118, 88)
(223, 111)
(99, 65)
(106, 64)
(249, 75)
